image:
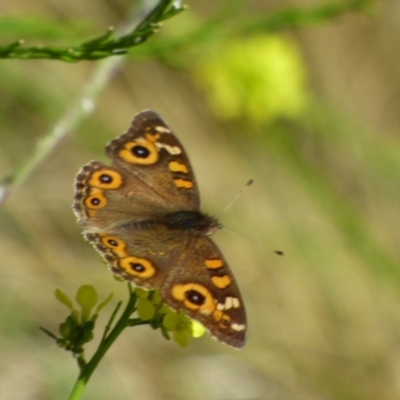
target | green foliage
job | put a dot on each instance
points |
(108, 44)
(170, 320)
(145, 308)
(182, 326)
(100, 47)
(87, 298)
(151, 307)
(78, 327)
(64, 299)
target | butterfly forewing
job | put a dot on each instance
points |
(150, 151)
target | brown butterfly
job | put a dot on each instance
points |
(142, 215)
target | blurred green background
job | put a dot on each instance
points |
(310, 113)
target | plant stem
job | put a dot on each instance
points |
(90, 367)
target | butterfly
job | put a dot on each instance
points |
(142, 214)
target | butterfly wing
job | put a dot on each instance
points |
(202, 285)
(150, 176)
(151, 152)
(144, 257)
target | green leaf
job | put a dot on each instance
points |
(64, 299)
(142, 293)
(165, 309)
(165, 333)
(87, 298)
(145, 309)
(170, 320)
(74, 317)
(65, 330)
(182, 338)
(184, 322)
(155, 297)
(98, 40)
(87, 337)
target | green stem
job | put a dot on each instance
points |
(90, 367)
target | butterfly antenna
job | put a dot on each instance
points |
(245, 187)
(249, 183)
(278, 252)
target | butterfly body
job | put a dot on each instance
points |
(142, 214)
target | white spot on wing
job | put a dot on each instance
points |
(162, 129)
(173, 150)
(238, 327)
(228, 303)
(235, 302)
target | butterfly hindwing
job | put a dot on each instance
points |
(207, 292)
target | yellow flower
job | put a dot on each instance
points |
(260, 78)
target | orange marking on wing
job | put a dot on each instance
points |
(213, 263)
(176, 166)
(182, 183)
(182, 293)
(136, 266)
(127, 155)
(221, 282)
